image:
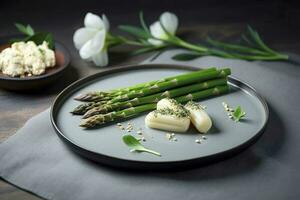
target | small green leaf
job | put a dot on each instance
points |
(133, 143)
(22, 28)
(135, 31)
(29, 30)
(49, 39)
(185, 56)
(255, 36)
(238, 114)
(39, 38)
(248, 41)
(143, 24)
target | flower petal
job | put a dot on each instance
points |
(101, 58)
(82, 35)
(157, 31)
(98, 41)
(106, 22)
(86, 50)
(169, 21)
(93, 21)
(93, 46)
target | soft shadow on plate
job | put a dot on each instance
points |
(214, 130)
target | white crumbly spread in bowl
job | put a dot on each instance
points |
(26, 59)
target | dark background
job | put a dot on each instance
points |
(190, 11)
(277, 21)
(55, 12)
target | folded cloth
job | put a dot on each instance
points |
(36, 160)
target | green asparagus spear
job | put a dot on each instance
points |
(180, 81)
(100, 96)
(101, 119)
(105, 108)
(83, 108)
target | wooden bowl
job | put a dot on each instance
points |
(36, 82)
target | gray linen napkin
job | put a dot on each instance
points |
(37, 160)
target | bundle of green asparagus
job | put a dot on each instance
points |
(103, 107)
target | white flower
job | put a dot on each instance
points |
(90, 40)
(170, 23)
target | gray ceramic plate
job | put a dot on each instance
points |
(105, 144)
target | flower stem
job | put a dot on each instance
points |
(190, 46)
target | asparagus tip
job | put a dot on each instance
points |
(80, 97)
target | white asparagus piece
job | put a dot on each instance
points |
(168, 103)
(200, 119)
(167, 122)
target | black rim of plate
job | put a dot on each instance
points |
(156, 165)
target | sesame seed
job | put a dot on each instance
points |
(175, 139)
(197, 141)
(119, 124)
(168, 136)
(204, 138)
(172, 134)
(128, 131)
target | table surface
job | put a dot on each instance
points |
(275, 21)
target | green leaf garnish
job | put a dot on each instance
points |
(186, 56)
(38, 38)
(27, 30)
(238, 114)
(132, 142)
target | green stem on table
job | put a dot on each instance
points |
(266, 58)
(235, 47)
(184, 44)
